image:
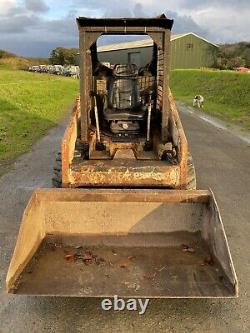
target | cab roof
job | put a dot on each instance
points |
(158, 22)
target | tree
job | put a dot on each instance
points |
(63, 56)
(234, 55)
(238, 62)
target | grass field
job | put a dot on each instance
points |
(226, 93)
(30, 103)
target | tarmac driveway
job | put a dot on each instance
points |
(222, 163)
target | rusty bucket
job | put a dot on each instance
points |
(132, 243)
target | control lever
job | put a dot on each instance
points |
(99, 144)
(148, 145)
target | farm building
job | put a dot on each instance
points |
(187, 51)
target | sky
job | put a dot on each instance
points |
(35, 27)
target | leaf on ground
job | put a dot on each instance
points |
(70, 257)
(125, 263)
(209, 261)
(187, 248)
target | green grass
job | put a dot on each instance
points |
(30, 103)
(226, 93)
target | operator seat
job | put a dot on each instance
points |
(124, 109)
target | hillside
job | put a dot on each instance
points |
(11, 61)
(226, 93)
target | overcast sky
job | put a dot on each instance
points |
(34, 27)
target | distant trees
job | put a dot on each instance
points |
(234, 55)
(63, 56)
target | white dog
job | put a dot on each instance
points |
(198, 101)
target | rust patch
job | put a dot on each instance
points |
(183, 148)
(125, 173)
(68, 143)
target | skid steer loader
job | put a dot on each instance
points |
(126, 218)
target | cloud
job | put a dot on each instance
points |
(230, 28)
(129, 9)
(185, 23)
(197, 4)
(37, 6)
(18, 25)
(6, 5)
(26, 31)
(34, 27)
